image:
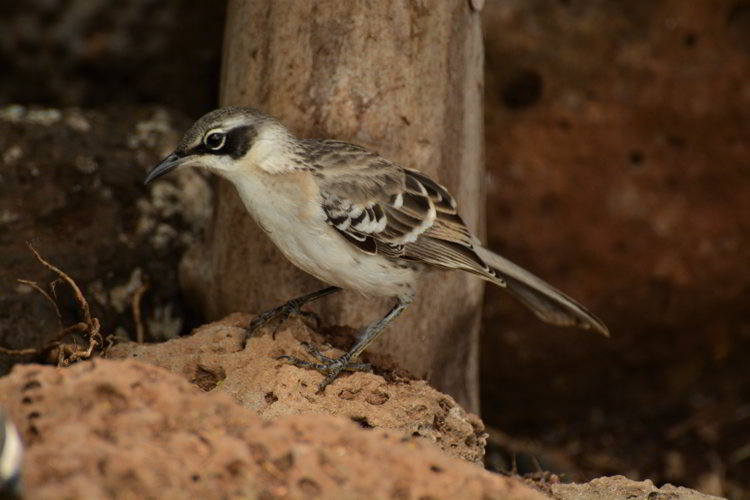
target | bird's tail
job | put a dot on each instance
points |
(548, 303)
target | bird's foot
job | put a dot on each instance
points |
(282, 314)
(330, 367)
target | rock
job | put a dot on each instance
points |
(603, 179)
(108, 429)
(619, 487)
(213, 359)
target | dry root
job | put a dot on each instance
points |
(89, 328)
(137, 319)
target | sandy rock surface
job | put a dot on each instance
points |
(124, 429)
(617, 487)
(109, 429)
(213, 359)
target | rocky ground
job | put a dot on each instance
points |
(103, 429)
(213, 357)
(203, 417)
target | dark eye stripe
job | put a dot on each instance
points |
(236, 143)
(239, 140)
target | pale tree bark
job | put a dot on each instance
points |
(401, 77)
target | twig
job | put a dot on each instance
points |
(19, 352)
(77, 354)
(77, 291)
(89, 327)
(78, 327)
(139, 329)
(55, 342)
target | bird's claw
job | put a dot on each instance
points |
(330, 367)
(282, 314)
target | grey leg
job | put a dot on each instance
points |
(330, 367)
(285, 311)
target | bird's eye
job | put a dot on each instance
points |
(215, 140)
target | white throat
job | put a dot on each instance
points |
(272, 150)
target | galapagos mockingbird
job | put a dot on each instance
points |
(352, 219)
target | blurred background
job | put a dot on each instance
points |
(618, 164)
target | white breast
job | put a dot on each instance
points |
(287, 207)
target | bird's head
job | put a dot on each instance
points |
(228, 141)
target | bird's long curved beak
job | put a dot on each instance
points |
(168, 164)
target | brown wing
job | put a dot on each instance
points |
(383, 208)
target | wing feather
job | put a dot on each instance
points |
(383, 208)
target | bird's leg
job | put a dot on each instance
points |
(331, 367)
(285, 311)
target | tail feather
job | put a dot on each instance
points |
(548, 303)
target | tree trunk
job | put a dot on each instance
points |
(403, 78)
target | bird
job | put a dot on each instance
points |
(354, 220)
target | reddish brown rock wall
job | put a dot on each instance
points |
(618, 141)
